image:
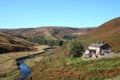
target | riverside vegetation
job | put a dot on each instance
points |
(59, 67)
(8, 65)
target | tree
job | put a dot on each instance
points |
(44, 41)
(69, 37)
(76, 49)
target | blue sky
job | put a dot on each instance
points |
(71, 13)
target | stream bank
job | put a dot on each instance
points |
(25, 63)
(8, 68)
(24, 69)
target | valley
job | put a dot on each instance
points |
(57, 52)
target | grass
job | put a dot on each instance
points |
(8, 66)
(15, 55)
(11, 76)
(33, 61)
(73, 60)
(57, 67)
(8, 60)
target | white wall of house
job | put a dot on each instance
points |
(87, 54)
(95, 48)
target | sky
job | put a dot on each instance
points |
(70, 13)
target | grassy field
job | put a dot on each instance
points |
(33, 61)
(57, 67)
(8, 63)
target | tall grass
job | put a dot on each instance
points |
(57, 67)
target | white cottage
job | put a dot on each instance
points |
(96, 49)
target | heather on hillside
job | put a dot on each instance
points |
(11, 43)
(108, 32)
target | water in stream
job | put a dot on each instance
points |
(24, 70)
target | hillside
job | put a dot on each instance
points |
(49, 31)
(59, 67)
(10, 43)
(108, 32)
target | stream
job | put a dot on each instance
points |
(25, 72)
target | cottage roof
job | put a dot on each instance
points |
(98, 44)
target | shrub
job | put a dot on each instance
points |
(76, 48)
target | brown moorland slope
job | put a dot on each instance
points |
(107, 29)
(108, 32)
(49, 31)
(10, 43)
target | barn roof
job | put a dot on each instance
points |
(98, 44)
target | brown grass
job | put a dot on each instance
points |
(55, 67)
(109, 32)
(8, 61)
(10, 43)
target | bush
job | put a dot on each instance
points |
(76, 49)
